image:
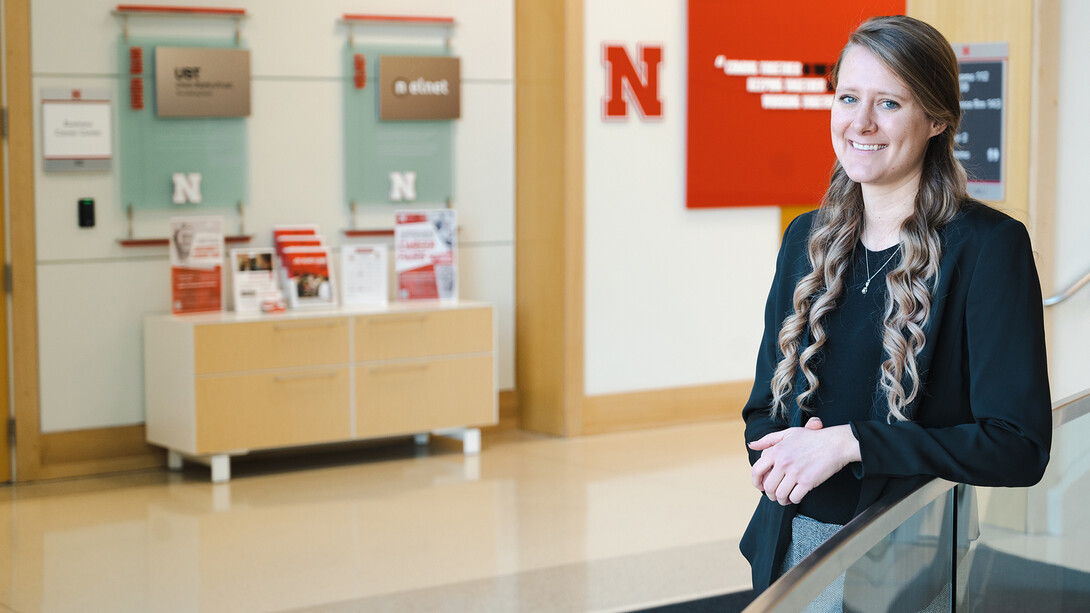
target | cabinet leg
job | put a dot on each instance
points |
(174, 460)
(471, 441)
(221, 468)
(470, 437)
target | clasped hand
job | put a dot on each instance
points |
(796, 460)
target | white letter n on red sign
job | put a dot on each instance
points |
(643, 84)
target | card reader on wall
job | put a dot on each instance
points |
(86, 212)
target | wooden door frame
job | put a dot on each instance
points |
(60, 454)
(21, 218)
(5, 408)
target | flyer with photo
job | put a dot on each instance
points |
(196, 264)
(253, 281)
(425, 255)
(364, 274)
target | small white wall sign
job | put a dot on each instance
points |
(77, 133)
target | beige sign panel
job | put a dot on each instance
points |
(202, 82)
(419, 87)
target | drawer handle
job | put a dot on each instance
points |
(306, 377)
(387, 370)
(303, 326)
(397, 319)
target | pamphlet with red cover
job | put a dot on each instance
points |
(297, 240)
(425, 255)
(295, 229)
(309, 275)
(196, 264)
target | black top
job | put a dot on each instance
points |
(848, 369)
(983, 416)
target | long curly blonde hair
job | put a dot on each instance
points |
(923, 59)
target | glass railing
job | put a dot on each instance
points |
(950, 547)
(1033, 549)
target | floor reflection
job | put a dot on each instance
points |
(532, 523)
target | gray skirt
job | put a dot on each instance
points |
(806, 535)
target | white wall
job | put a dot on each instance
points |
(93, 293)
(1070, 365)
(674, 297)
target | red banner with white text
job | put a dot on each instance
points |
(758, 99)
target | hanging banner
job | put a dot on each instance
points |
(398, 163)
(981, 145)
(203, 159)
(758, 98)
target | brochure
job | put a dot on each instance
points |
(425, 255)
(196, 264)
(309, 277)
(364, 274)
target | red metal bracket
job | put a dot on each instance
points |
(406, 19)
(189, 10)
(163, 242)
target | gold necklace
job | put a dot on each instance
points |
(870, 277)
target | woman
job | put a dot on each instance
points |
(903, 331)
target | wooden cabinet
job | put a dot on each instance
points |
(223, 384)
(422, 395)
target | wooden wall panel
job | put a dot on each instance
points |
(986, 21)
(1031, 28)
(549, 214)
(666, 407)
(1044, 146)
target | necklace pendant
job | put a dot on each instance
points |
(865, 287)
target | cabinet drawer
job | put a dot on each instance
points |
(422, 334)
(421, 396)
(240, 347)
(255, 411)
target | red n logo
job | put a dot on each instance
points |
(643, 84)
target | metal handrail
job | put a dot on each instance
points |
(1071, 408)
(1067, 293)
(802, 583)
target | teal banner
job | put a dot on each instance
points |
(392, 162)
(181, 163)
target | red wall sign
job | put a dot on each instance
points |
(758, 120)
(628, 81)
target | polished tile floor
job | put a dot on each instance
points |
(600, 523)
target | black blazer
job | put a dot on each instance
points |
(983, 415)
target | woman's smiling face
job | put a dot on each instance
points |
(879, 130)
